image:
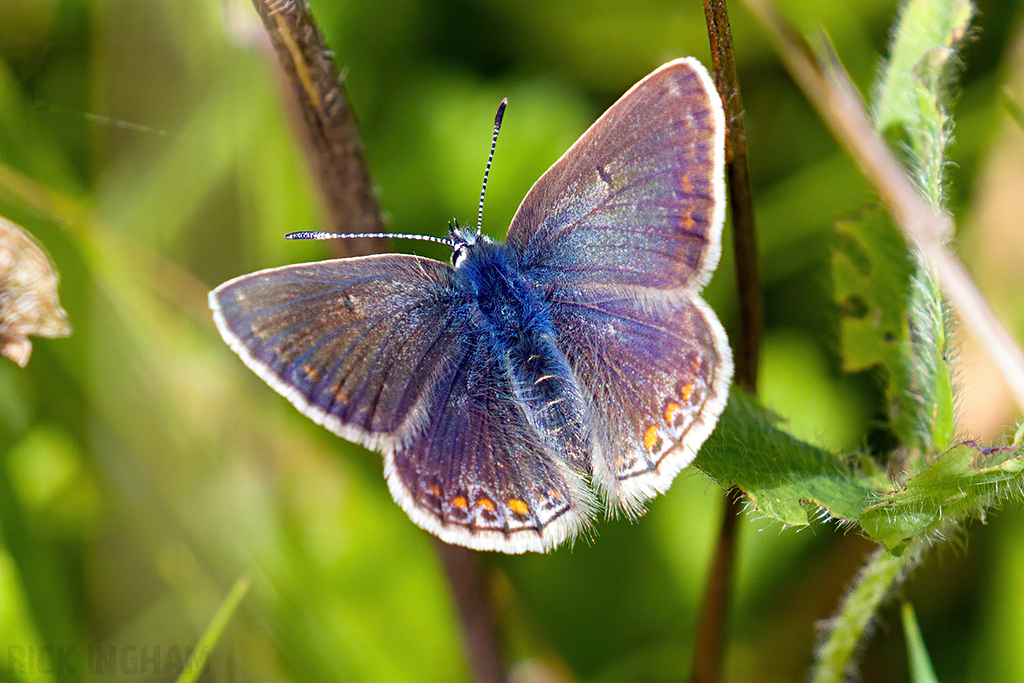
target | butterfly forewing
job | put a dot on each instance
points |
(357, 344)
(638, 200)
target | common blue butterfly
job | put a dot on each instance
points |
(511, 390)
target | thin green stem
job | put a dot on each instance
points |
(845, 631)
(197, 660)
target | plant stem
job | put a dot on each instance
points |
(748, 281)
(197, 660)
(469, 588)
(709, 653)
(709, 645)
(324, 122)
(846, 630)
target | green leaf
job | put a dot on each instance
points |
(870, 282)
(793, 482)
(784, 478)
(892, 315)
(960, 483)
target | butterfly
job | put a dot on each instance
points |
(514, 390)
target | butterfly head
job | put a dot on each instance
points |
(462, 239)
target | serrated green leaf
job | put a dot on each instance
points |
(784, 478)
(960, 483)
(892, 315)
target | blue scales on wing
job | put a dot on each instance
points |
(406, 356)
(622, 233)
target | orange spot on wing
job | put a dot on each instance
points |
(433, 490)
(517, 506)
(686, 184)
(686, 392)
(460, 502)
(486, 504)
(670, 411)
(651, 438)
(688, 220)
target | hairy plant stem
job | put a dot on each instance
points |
(844, 632)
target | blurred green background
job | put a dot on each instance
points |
(143, 469)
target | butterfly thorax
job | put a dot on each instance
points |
(517, 324)
(488, 273)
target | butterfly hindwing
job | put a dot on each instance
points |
(657, 371)
(481, 474)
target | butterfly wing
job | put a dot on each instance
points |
(385, 351)
(355, 344)
(658, 372)
(638, 200)
(481, 475)
(622, 232)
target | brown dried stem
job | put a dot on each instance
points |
(712, 625)
(327, 125)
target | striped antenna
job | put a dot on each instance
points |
(320, 235)
(487, 169)
(457, 236)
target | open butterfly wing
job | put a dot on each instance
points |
(356, 344)
(639, 198)
(381, 351)
(658, 372)
(622, 232)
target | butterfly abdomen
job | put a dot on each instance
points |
(519, 330)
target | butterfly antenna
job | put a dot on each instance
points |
(321, 235)
(487, 169)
